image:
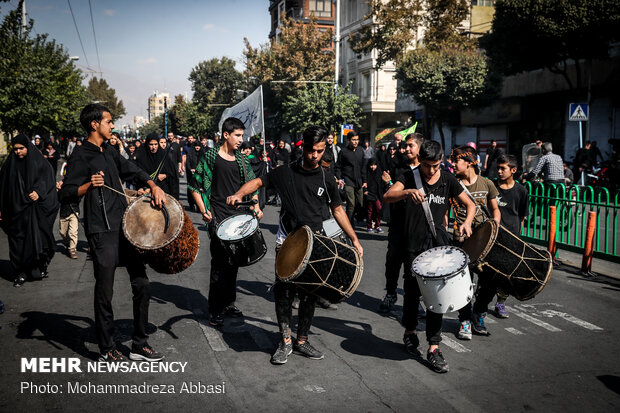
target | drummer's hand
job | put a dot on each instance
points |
(141, 191)
(97, 179)
(416, 196)
(159, 196)
(258, 212)
(206, 216)
(386, 177)
(233, 199)
(465, 229)
(358, 247)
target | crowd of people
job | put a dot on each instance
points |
(411, 185)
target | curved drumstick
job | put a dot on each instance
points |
(164, 211)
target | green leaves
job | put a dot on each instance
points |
(40, 89)
(99, 90)
(318, 104)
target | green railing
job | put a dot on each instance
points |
(573, 204)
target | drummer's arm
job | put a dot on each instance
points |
(465, 228)
(247, 188)
(341, 218)
(397, 192)
(494, 209)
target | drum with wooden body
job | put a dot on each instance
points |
(241, 238)
(319, 265)
(165, 237)
(443, 276)
(525, 270)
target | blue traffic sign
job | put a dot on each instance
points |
(577, 111)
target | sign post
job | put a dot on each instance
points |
(578, 112)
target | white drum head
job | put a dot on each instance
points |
(237, 227)
(440, 262)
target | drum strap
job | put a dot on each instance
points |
(425, 206)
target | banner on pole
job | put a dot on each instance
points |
(249, 111)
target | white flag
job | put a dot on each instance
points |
(249, 111)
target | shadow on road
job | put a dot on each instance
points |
(611, 382)
(6, 270)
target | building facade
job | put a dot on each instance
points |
(156, 104)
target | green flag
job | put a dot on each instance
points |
(408, 131)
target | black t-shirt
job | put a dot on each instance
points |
(415, 225)
(512, 205)
(303, 194)
(226, 181)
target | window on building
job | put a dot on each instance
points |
(320, 8)
(280, 11)
(352, 11)
(366, 87)
(485, 3)
(353, 86)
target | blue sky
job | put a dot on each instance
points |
(150, 45)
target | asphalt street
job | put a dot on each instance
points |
(556, 352)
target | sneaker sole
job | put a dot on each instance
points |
(140, 357)
(279, 363)
(308, 356)
(440, 371)
(465, 338)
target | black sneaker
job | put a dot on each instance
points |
(411, 343)
(281, 355)
(306, 349)
(387, 304)
(216, 320)
(144, 353)
(323, 303)
(19, 281)
(477, 324)
(232, 311)
(112, 356)
(437, 362)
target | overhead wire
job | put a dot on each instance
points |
(78, 33)
(92, 22)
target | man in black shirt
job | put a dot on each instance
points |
(90, 168)
(219, 173)
(438, 187)
(350, 171)
(304, 188)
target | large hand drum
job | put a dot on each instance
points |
(319, 265)
(166, 237)
(526, 269)
(443, 277)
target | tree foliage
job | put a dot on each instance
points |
(41, 90)
(215, 81)
(444, 80)
(156, 125)
(318, 104)
(99, 91)
(188, 118)
(391, 28)
(442, 21)
(552, 34)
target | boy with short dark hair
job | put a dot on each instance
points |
(512, 202)
(437, 188)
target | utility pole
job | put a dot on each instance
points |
(337, 45)
(24, 22)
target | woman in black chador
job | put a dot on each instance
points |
(28, 207)
(155, 162)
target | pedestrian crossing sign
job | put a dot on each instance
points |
(578, 111)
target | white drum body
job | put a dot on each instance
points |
(443, 277)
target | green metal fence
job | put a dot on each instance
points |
(573, 204)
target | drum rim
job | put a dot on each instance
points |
(446, 276)
(304, 262)
(229, 218)
(487, 248)
(177, 231)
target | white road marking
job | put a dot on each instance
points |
(454, 345)
(514, 331)
(534, 320)
(211, 334)
(571, 319)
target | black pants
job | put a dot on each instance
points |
(394, 260)
(284, 293)
(223, 280)
(109, 250)
(410, 307)
(486, 288)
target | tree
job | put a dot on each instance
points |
(100, 91)
(318, 104)
(215, 81)
(187, 118)
(445, 80)
(552, 34)
(41, 91)
(156, 125)
(391, 29)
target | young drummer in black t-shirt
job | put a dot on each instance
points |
(304, 189)
(220, 172)
(438, 187)
(512, 202)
